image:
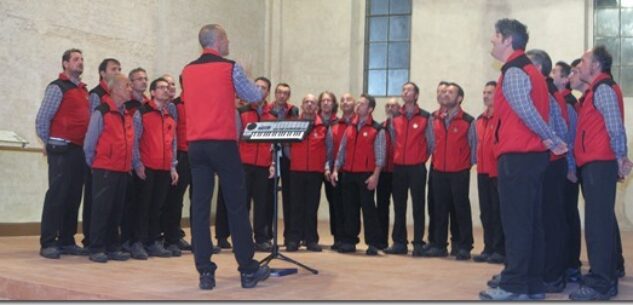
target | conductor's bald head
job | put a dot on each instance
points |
(213, 36)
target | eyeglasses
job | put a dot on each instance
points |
(162, 87)
(140, 78)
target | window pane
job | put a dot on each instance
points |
(378, 28)
(627, 22)
(400, 7)
(615, 71)
(612, 45)
(607, 22)
(377, 82)
(397, 78)
(627, 3)
(627, 51)
(377, 55)
(399, 28)
(378, 7)
(399, 55)
(626, 80)
(606, 3)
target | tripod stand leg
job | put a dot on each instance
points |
(290, 260)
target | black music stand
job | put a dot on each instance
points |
(275, 254)
(276, 143)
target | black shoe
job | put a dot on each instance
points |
(556, 286)
(98, 257)
(496, 258)
(118, 256)
(216, 249)
(174, 249)
(619, 272)
(292, 246)
(138, 252)
(183, 245)
(494, 281)
(314, 247)
(397, 249)
(481, 258)
(346, 248)
(224, 243)
(335, 245)
(73, 250)
(586, 293)
(454, 251)
(249, 280)
(264, 247)
(371, 251)
(436, 252)
(418, 250)
(207, 281)
(573, 275)
(50, 252)
(462, 255)
(157, 249)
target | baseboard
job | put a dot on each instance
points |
(33, 228)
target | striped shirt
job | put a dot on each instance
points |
(606, 102)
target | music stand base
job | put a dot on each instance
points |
(282, 271)
(282, 257)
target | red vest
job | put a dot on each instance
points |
(100, 90)
(359, 152)
(562, 104)
(410, 145)
(157, 140)
(257, 154)
(291, 112)
(114, 147)
(181, 128)
(72, 117)
(452, 151)
(207, 86)
(511, 134)
(309, 155)
(592, 139)
(486, 162)
(338, 130)
(389, 153)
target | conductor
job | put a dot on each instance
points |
(209, 86)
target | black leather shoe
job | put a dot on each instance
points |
(98, 257)
(157, 249)
(556, 286)
(573, 275)
(462, 255)
(263, 247)
(346, 248)
(183, 245)
(619, 272)
(50, 252)
(418, 250)
(138, 251)
(249, 280)
(207, 281)
(494, 281)
(224, 243)
(216, 249)
(314, 247)
(397, 249)
(335, 245)
(292, 246)
(586, 293)
(481, 258)
(118, 256)
(371, 251)
(73, 250)
(496, 258)
(436, 252)
(174, 249)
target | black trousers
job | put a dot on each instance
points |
(87, 210)
(599, 181)
(108, 189)
(335, 205)
(431, 212)
(356, 196)
(383, 201)
(285, 192)
(494, 241)
(129, 222)
(171, 215)
(222, 157)
(408, 178)
(305, 195)
(66, 165)
(521, 197)
(222, 218)
(554, 220)
(450, 190)
(152, 199)
(572, 218)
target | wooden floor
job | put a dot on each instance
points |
(25, 275)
